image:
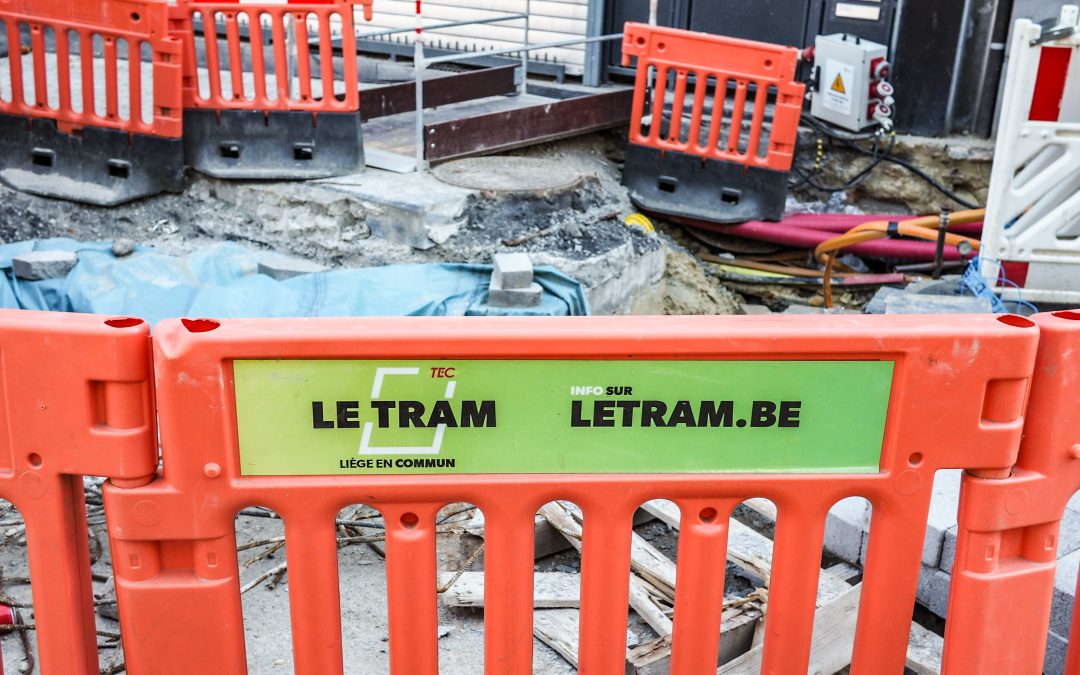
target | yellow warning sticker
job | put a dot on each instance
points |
(838, 85)
(839, 76)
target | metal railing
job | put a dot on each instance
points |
(420, 62)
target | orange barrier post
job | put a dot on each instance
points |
(76, 401)
(1007, 539)
(406, 415)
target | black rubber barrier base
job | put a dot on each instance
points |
(676, 184)
(275, 145)
(93, 166)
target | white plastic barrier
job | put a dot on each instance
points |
(1031, 236)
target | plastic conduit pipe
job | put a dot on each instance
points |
(811, 229)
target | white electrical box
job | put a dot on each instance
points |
(851, 82)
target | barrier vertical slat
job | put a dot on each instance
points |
(37, 52)
(716, 123)
(738, 111)
(303, 57)
(63, 69)
(605, 588)
(508, 590)
(258, 56)
(86, 56)
(798, 540)
(893, 560)
(281, 57)
(761, 95)
(675, 127)
(326, 60)
(236, 62)
(699, 592)
(697, 114)
(63, 600)
(112, 88)
(311, 550)
(135, 82)
(411, 575)
(348, 46)
(15, 64)
(213, 58)
(638, 107)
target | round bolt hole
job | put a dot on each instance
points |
(123, 322)
(915, 459)
(708, 515)
(641, 41)
(34, 459)
(1016, 321)
(410, 520)
(135, 16)
(768, 63)
(660, 46)
(200, 325)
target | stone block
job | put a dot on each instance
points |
(38, 265)
(933, 590)
(513, 271)
(1064, 593)
(1056, 648)
(846, 526)
(911, 303)
(515, 297)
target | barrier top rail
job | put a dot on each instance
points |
(674, 63)
(76, 401)
(285, 73)
(72, 69)
(406, 415)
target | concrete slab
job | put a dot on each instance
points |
(846, 526)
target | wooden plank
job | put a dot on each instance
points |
(505, 130)
(924, 651)
(830, 648)
(397, 98)
(558, 629)
(550, 589)
(546, 539)
(749, 550)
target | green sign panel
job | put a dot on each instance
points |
(470, 417)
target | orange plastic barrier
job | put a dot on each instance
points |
(1007, 539)
(266, 83)
(673, 64)
(77, 53)
(76, 401)
(258, 412)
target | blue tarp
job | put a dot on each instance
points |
(221, 281)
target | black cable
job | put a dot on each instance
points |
(851, 182)
(850, 139)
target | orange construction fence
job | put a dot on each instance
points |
(1007, 539)
(75, 400)
(288, 68)
(713, 71)
(107, 63)
(409, 414)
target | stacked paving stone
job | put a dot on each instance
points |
(512, 282)
(847, 531)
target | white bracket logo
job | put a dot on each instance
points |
(376, 390)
